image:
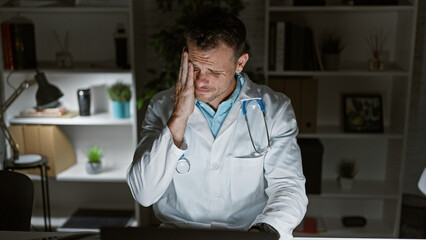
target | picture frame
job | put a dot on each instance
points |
(363, 113)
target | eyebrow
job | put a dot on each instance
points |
(211, 70)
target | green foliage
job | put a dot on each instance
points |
(94, 154)
(331, 44)
(168, 43)
(347, 169)
(119, 92)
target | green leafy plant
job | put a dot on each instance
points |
(119, 92)
(347, 169)
(95, 154)
(168, 43)
(331, 43)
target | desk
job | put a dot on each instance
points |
(43, 166)
(18, 235)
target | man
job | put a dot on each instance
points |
(197, 162)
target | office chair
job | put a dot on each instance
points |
(16, 201)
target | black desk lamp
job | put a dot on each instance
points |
(46, 95)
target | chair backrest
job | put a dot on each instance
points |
(16, 201)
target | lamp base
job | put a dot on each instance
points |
(28, 158)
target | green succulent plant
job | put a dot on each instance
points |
(347, 169)
(119, 92)
(331, 43)
(95, 154)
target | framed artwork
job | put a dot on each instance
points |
(362, 113)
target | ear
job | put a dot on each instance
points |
(242, 62)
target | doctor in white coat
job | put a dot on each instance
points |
(207, 159)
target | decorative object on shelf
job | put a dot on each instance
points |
(120, 95)
(63, 56)
(354, 221)
(331, 46)
(348, 2)
(83, 96)
(376, 41)
(94, 157)
(19, 48)
(362, 113)
(346, 171)
(308, 2)
(46, 95)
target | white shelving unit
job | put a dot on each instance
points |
(92, 47)
(377, 189)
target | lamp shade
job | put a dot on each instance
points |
(46, 92)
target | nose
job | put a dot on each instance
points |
(201, 79)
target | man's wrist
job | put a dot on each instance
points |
(264, 227)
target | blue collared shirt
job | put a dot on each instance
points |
(216, 119)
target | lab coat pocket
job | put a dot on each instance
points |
(247, 181)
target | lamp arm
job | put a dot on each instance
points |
(12, 143)
(24, 85)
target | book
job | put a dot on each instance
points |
(272, 45)
(311, 225)
(280, 47)
(19, 48)
(7, 46)
(48, 112)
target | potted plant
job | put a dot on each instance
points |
(346, 174)
(331, 46)
(94, 157)
(120, 95)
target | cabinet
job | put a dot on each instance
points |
(377, 190)
(92, 47)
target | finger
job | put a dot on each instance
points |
(184, 67)
(190, 79)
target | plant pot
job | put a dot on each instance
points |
(331, 61)
(93, 168)
(345, 183)
(121, 109)
(376, 64)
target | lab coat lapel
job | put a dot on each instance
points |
(246, 93)
(199, 124)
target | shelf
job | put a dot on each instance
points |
(342, 8)
(375, 228)
(361, 189)
(336, 132)
(348, 69)
(79, 67)
(95, 119)
(70, 9)
(111, 172)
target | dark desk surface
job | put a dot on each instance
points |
(18, 235)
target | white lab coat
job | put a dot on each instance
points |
(227, 186)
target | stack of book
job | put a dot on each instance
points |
(292, 47)
(47, 112)
(18, 38)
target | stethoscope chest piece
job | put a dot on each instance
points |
(183, 165)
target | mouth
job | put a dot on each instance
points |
(201, 90)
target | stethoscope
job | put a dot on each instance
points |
(251, 109)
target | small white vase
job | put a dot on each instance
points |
(346, 183)
(93, 168)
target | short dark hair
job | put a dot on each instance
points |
(213, 26)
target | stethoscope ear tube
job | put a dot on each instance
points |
(262, 109)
